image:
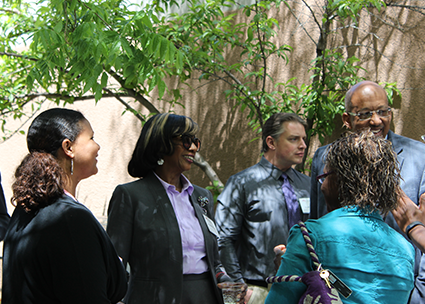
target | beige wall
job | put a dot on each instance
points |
(223, 130)
(116, 135)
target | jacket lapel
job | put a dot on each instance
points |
(160, 197)
(397, 147)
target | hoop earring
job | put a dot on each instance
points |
(72, 166)
(160, 162)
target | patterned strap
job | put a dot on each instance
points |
(285, 278)
(310, 247)
(313, 255)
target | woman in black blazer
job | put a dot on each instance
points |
(55, 251)
(161, 224)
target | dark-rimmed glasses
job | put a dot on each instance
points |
(321, 178)
(368, 115)
(187, 141)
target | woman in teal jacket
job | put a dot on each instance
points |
(361, 181)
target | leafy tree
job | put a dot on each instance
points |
(76, 50)
(70, 51)
(210, 39)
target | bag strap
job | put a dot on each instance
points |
(309, 244)
(313, 256)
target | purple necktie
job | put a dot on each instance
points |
(292, 205)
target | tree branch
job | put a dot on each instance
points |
(104, 22)
(314, 16)
(415, 8)
(18, 56)
(380, 53)
(11, 11)
(126, 105)
(132, 93)
(302, 25)
(204, 165)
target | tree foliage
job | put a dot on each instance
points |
(78, 50)
(212, 39)
(73, 50)
(87, 49)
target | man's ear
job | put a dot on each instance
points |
(67, 148)
(271, 143)
(346, 119)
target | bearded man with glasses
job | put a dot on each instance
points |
(366, 106)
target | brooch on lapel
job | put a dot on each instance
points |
(203, 202)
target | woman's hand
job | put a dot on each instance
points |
(279, 250)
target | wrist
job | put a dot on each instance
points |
(410, 227)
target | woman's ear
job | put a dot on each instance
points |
(67, 148)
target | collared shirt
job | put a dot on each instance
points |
(193, 243)
(370, 257)
(251, 218)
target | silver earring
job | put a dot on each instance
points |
(72, 166)
(160, 162)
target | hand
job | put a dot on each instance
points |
(279, 250)
(242, 294)
(407, 212)
(232, 288)
(247, 296)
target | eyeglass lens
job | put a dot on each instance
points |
(369, 114)
(321, 178)
(188, 140)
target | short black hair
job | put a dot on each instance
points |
(155, 141)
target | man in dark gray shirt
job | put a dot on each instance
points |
(255, 213)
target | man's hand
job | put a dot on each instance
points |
(407, 212)
(279, 250)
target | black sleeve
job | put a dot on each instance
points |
(4, 216)
(86, 265)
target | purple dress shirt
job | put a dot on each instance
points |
(193, 243)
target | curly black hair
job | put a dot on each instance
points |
(367, 171)
(39, 179)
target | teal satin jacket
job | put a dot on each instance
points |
(374, 260)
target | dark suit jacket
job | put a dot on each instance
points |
(4, 216)
(144, 229)
(411, 158)
(60, 254)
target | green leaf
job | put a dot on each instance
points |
(104, 80)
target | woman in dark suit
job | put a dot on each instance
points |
(55, 251)
(161, 224)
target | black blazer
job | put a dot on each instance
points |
(143, 227)
(60, 254)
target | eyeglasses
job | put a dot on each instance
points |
(368, 115)
(187, 141)
(321, 178)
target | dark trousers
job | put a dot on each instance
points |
(199, 289)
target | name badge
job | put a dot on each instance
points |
(211, 225)
(305, 204)
(339, 285)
